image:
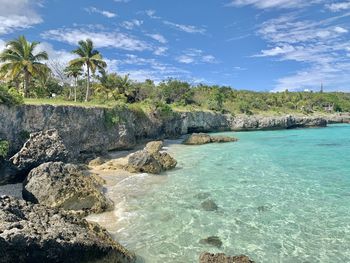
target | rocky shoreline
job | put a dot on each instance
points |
(58, 190)
(90, 130)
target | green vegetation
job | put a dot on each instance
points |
(4, 148)
(85, 82)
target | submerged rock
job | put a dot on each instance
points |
(9, 174)
(202, 195)
(36, 233)
(60, 185)
(212, 240)
(150, 160)
(203, 138)
(42, 147)
(209, 205)
(222, 258)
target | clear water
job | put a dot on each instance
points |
(283, 196)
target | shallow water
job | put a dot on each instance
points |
(283, 196)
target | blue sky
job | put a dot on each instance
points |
(267, 45)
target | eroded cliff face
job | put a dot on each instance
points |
(97, 129)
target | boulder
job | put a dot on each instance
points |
(154, 147)
(212, 240)
(36, 233)
(144, 162)
(150, 160)
(222, 258)
(66, 186)
(203, 138)
(41, 147)
(209, 205)
(9, 173)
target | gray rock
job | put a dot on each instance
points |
(209, 205)
(154, 147)
(36, 233)
(66, 186)
(222, 258)
(212, 240)
(9, 174)
(203, 138)
(150, 160)
(41, 147)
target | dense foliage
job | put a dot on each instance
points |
(4, 148)
(85, 79)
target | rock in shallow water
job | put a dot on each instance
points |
(42, 147)
(60, 185)
(222, 258)
(209, 205)
(150, 160)
(212, 240)
(203, 138)
(36, 233)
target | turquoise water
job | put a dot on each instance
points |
(283, 196)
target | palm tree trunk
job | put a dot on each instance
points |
(75, 89)
(26, 83)
(88, 84)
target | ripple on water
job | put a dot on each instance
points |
(283, 196)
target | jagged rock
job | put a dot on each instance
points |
(203, 138)
(9, 173)
(60, 185)
(150, 160)
(222, 258)
(209, 205)
(143, 161)
(42, 147)
(212, 240)
(97, 161)
(36, 233)
(154, 147)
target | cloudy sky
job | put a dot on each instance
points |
(267, 45)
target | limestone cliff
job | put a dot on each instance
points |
(98, 129)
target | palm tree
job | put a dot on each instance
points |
(18, 58)
(90, 58)
(74, 72)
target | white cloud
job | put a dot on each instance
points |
(322, 47)
(62, 56)
(265, 4)
(195, 56)
(131, 24)
(141, 69)
(335, 7)
(186, 28)
(158, 37)
(2, 45)
(160, 51)
(17, 15)
(102, 39)
(105, 13)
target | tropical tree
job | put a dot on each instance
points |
(20, 59)
(90, 58)
(74, 72)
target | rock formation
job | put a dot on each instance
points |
(60, 185)
(41, 147)
(203, 138)
(36, 233)
(212, 240)
(150, 160)
(222, 258)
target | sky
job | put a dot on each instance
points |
(262, 45)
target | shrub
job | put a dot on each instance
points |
(10, 96)
(4, 148)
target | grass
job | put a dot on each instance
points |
(62, 102)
